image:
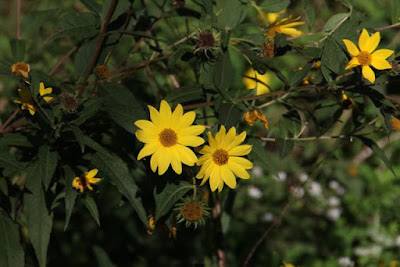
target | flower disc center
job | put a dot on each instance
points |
(168, 137)
(192, 211)
(220, 157)
(206, 40)
(364, 58)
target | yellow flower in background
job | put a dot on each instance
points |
(283, 26)
(287, 264)
(251, 116)
(366, 57)
(222, 160)
(167, 137)
(45, 91)
(21, 69)
(26, 101)
(253, 80)
(395, 123)
(84, 181)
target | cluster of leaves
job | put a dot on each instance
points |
(90, 122)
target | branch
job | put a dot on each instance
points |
(18, 34)
(97, 49)
(63, 59)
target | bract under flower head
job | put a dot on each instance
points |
(167, 137)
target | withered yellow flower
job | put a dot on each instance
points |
(85, 180)
(222, 160)
(101, 72)
(26, 101)
(366, 57)
(251, 116)
(44, 92)
(255, 81)
(395, 123)
(21, 69)
(283, 26)
(167, 137)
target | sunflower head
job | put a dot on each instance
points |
(167, 138)
(101, 72)
(254, 80)
(192, 211)
(21, 69)
(365, 55)
(222, 161)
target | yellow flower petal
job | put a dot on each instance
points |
(146, 136)
(187, 119)
(193, 130)
(351, 47)
(147, 150)
(214, 179)
(380, 64)
(293, 24)
(382, 53)
(186, 155)
(368, 74)
(177, 114)
(245, 163)
(191, 140)
(353, 63)
(363, 41)
(165, 112)
(164, 161)
(290, 31)
(94, 180)
(175, 162)
(154, 116)
(238, 140)
(228, 177)
(240, 150)
(373, 42)
(238, 170)
(154, 161)
(146, 125)
(220, 134)
(92, 173)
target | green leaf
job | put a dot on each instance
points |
(17, 50)
(3, 185)
(223, 72)
(15, 139)
(298, 76)
(92, 207)
(122, 106)
(232, 13)
(70, 194)
(185, 94)
(335, 20)
(78, 25)
(10, 164)
(89, 109)
(229, 115)
(258, 155)
(11, 251)
(395, 11)
(48, 163)
(177, 55)
(285, 147)
(79, 135)
(116, 170)
(310, 12)
(333, 59)
(39, 220)
(275, 5)
(169, 196)
(377, 151)
(93, 6)
(83, 56)
(103, 260)
(122, 7)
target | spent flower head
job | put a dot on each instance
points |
(366, 57)
(167, 137)
(26, 101)
(21, 69)
(101, 72)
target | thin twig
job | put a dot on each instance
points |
(97, 49)
(63, 59)
(5, 124)
(128, 70)
(275, 222)
(310, 138)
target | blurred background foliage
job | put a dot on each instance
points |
(342, 200)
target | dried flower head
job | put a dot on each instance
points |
(192, 212)
(395, 123)
(101, 72)
(69, 102)
(254, 115)
(21, 69)
(207, 43)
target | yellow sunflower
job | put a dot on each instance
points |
(253, 80)
(222, 160)
(366, 56)
(84, 181)
(26, 101)
(283, 26)
(167, 137)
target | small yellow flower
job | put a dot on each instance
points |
(251, 116)
(167, 137)
(222, 160)
(84, 181)
(253, 80)
(348, 102)
(152, 225)
(101, 72)
(283, 26)
(45, 91)
(287, 264)
(21, 69)
(366, 56)
(395, 123)
(26, 101)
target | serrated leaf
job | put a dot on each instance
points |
(333, 58)
(48, 163)
(310, 12)
(335, 20)
(90, 204)
(272, 6)
(11, 251)
(117, 172)
(103, 260)
(229, 115)
(121, 7)
(70, 194)
(166, 199)
(261, 157)
(39, 220)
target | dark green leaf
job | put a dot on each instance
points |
(70, 194)
(333, 58)
(3, 185)
(177, 55)
(184, 95)
(48, 163)
(298, 76)
(11, 251)
(92, 207)
(93, 6)
(229, 115)
(272, 6)
(223, 72)
(285, 147)
(232, 13)
(310, 14)
(335, 20)
(83, 56)
(78, 25)
(103, 260)
(122, 7)
(260, 156)
(395, 4)
(17, 50)
(79, 135)
(10, 164)
(116, 170)
(39, 220)
(89, 109)
(15, 139)
(169, 196)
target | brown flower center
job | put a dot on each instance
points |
(364, 58)
(220, 157)
(192, 211)
(206, 40)
(168, 137)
